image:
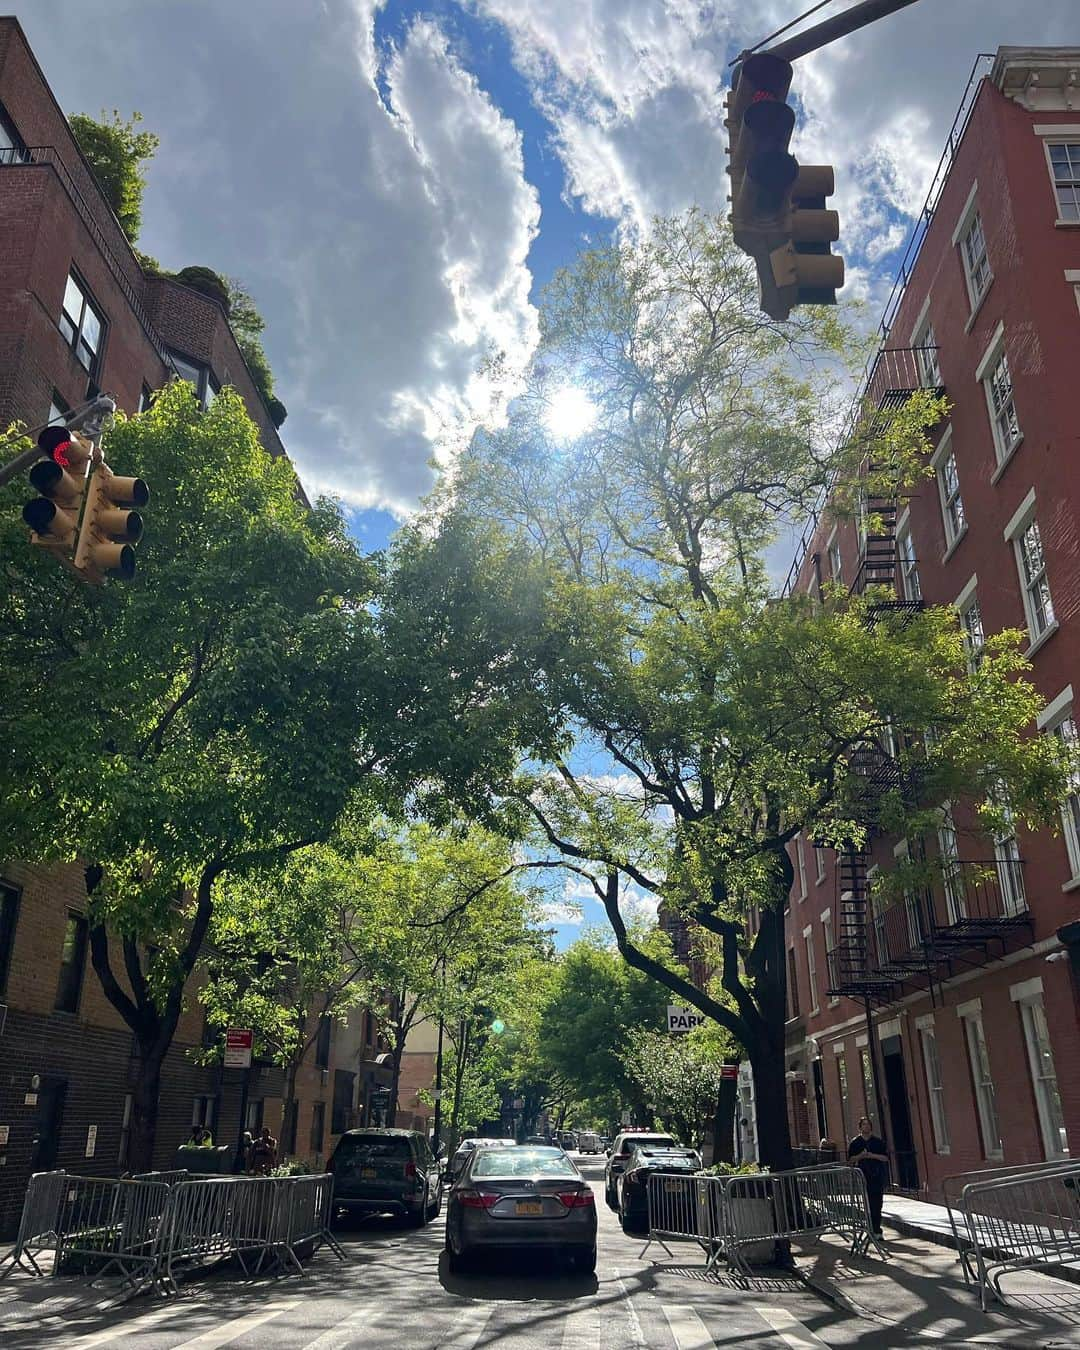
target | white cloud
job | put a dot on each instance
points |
(557, 912)
(638, 905)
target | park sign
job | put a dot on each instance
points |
(238, 1043)
(683, 1019)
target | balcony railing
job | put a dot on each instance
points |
(898, 372)
(974, 909)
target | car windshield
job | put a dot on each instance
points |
(668, 1157)
(523, 1162)
(662, 1141)
(372, 1146)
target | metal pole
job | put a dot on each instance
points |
(89, 419)
(438, 1068)
(240, 1162)
(874, 1071)
(840, 25)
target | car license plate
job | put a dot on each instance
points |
(530, 1207)
(671, 1185)
(367, 1172)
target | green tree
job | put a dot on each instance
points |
(724, 724)
(117, 150)
(213, 708)
(679, 1075)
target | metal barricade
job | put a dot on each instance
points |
(38, 1223)
(169, 1178)
(116, 1223)
(306, 1206)
(739, 1219)
(1021, 1222)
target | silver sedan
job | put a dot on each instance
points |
(523, 1197)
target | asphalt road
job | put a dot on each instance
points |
(393, 1292)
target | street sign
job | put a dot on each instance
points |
(238, 1043)
(729, 1071)
(683, 1019)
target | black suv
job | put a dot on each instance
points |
(386, 1171)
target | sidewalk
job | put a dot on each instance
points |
(920, 1289)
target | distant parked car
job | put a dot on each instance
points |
(465, 1149)
(621, 1149)
(589, 1143)
(523, 1197)
(386, 1171)
(567, 1140)
(632, 1186)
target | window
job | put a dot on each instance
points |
(343, 1100)
(253, 1121)
(952, 507)
(999, 397)
(1065, 169)
(819, 863)
(979, 1063)
(845, 1109)
(1031, 562)
(72, 963)
(1009, 866)
(318, 1126)
(935, 1089)
(792, 984)
(9, 917)
(800, 865)
(926, 354)
(909, 572)
(836, 562)
(952, 876)
(1066, 732)
(1043, 1073)
(202, 377)
(976, 263)
(867, 1081)
(81, 324)
(830, 946)
(124, 1151)
(811, 969)
(146, 397)
(12, 149)
(288, 1127)
(974, 636)
(322, 1043)
(58, 409)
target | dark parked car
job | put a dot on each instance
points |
(632, 1187)
(386, 1171)
(523, 1197)
(619, 1156)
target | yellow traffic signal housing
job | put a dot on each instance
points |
(778, 206)
(60, 478)
(110, 526)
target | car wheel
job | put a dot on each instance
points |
(610, 1197)
(582, 1261)
(416, 1218)
(435, 1206)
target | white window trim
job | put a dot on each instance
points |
(800, 866)
(937, 461)
(811, 967)
(1029, 995)
(838, 1047)
(861, 1041)
(994, 352)
(920, 323)
(963, 225)
(968, 1009)
(990, 355)
(926, 1020)
(960, 228)
(1050, 135)
(970, 1019)
(967, 594)
(825, 914)
(924, 1027)
(1026, 989)
(1048, 721)
(1055, 710)
(1020, 519)
(887, 1029)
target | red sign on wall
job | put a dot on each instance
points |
(238, 1043)
(728, 1071)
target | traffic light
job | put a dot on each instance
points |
(110, 526)
(60, 479)
(778, 206)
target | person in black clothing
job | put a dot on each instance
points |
(868, 1152)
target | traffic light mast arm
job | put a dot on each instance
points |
(840, 25)
(87, 419)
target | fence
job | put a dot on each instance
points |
(1014, 1218)
(153, 1231)
(739, 1219)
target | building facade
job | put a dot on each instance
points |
(951, 1016)
(79, 315)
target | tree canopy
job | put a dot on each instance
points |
(117, 149)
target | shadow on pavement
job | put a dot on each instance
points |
(518, 1277)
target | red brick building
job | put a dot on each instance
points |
(962, 999)
(78, 314)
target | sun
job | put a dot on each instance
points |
(570, 413)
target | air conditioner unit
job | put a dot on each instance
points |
(3, 1017)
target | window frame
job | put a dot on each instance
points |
(952, 877)
(978, 278)
(844, 1092)
(951, 500)
(1068, 139)
(316, 1138)
(908, 564)
(1028, 998)
(836, 559)
(1016, 533)
(935, 1086)
(811, 969)
(985, 1093)
(14, 152)
(794, 1005)
(206, 386)
(800, 867)
(828, 939)
(78, 922)
(927, 352)
(866, 1071)
(76, 339)
(819, 864)
(966, 604)
(1055, 717)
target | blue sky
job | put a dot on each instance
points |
(394, 181)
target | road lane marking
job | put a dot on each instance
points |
(636, 1333)
(688, 1329)
(343, 1334)
(237, 1327)
(468, 1328)
(130, 1328)
(790, 1330)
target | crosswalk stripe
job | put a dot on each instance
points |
(790, 1330)
(110, 1334)
(237, 1327)
(468, 1329)
(688, 1329)
(342, 1336)
(637, 1336)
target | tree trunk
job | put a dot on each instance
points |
(723, 1125)
(145, 1095)
(399, 1046)
(770, 1104)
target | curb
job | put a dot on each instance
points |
(1069, 1274)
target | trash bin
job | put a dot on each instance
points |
(205, 1161)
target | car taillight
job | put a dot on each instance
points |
(478, 1199)
(578, 1199)
(410, 1170)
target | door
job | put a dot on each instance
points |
(45, 1144)
(906, 1171)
